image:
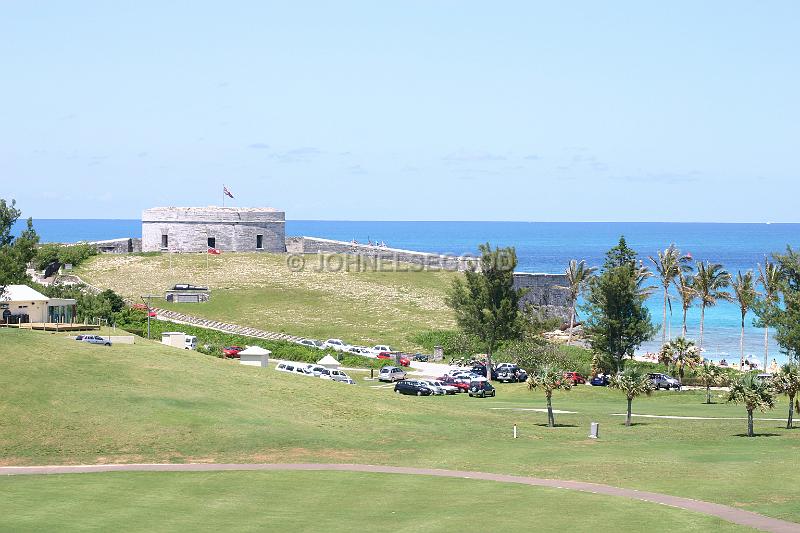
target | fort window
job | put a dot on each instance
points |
(259, 242)
(212, 242)
(165, 241)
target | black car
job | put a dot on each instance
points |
(412, 387)
(481, 389)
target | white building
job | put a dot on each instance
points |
(254, 356)
(20, 303)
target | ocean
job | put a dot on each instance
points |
(546, 247)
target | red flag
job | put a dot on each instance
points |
(214, 251)
(226, 192)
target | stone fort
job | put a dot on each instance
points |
(196, 229)
(263, 229)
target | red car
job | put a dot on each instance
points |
(232, 351)
(575, 378)
(404, 361)
(449, 380)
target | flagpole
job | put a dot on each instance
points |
(223, 195)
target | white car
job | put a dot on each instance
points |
(286, 367)
(311, 343)
(437, 389)
(336, 375)
(316, 370)
(379, 348)
(448, 389)
(337, 344)
(359, 350)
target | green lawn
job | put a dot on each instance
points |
(65, 402)
(259, 290)
(317, 501)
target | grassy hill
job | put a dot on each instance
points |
(66, 402)
(259, 290)
(317, 501)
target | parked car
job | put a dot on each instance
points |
(437, 389)
(359, 350)
(417, 388)
(510, 374)
(403, 360)
(337, 344)
(450, 381)
(378, 348)
(189, 342)
(663, 381)
(303, 371)
(391, 373)
(316, 370)
(232, 351)
(335, 375)
(447, 388)
(419, 357)
(95, 339)
(311, 343)
(575, 378)
(600, 380)
(481, 389)
(285, 367)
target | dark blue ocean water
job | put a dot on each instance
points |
(543, 247)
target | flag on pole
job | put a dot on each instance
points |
(214, 251)
(226, 192)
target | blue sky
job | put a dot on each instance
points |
(430, 110)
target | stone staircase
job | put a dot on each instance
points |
(180, 318)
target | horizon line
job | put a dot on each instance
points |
(766, 223)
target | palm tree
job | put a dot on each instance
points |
(679, 354)
(668, 265)
(709, 283)
(745, 293)
(633, 383)
(787, 381)
(769, 276)
(549, 379)
(754, 393)
(687, 294)
(642, 275)
(710, 376)
(578, 276)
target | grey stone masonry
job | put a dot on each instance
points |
(195, 229)
(546, 292)
(118, 246)
(313, 245)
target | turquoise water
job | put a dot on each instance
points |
(545, 247)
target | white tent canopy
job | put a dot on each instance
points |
(255, 350)
(328, 362)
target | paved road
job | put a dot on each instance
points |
(730, 514)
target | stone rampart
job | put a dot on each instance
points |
(314, 245)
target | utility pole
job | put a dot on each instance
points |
(147, 303)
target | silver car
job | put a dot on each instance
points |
(391, 374)
(95, 339)
(438, 390)
(336, 375)
(663, 381)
